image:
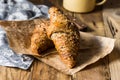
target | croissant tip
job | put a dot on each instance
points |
(71, 66)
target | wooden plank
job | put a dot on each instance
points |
(94, 21)
(96, 71)
(7, 73)
(42, 71)
(111, 14)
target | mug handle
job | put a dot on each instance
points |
(101, 3)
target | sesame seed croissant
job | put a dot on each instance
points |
(39, 40)
(65, 37)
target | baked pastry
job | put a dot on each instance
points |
(65, 36)
(39, 40)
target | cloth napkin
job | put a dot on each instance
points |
(17, 10)
(21, 10)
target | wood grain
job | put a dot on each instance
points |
(42, 71)
(7, 73)
(97, 71)
(111, 14)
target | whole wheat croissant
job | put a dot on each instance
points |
(39, 40)
(65, 37)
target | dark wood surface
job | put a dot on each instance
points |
(101, 70)
(111, 16)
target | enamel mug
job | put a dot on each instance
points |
(81, 6)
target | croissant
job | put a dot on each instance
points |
(39, 40)
(65, 36)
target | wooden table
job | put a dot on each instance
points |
(107, 68)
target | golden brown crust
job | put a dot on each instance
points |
(58, 21)
(39, 40)
(65, 36)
